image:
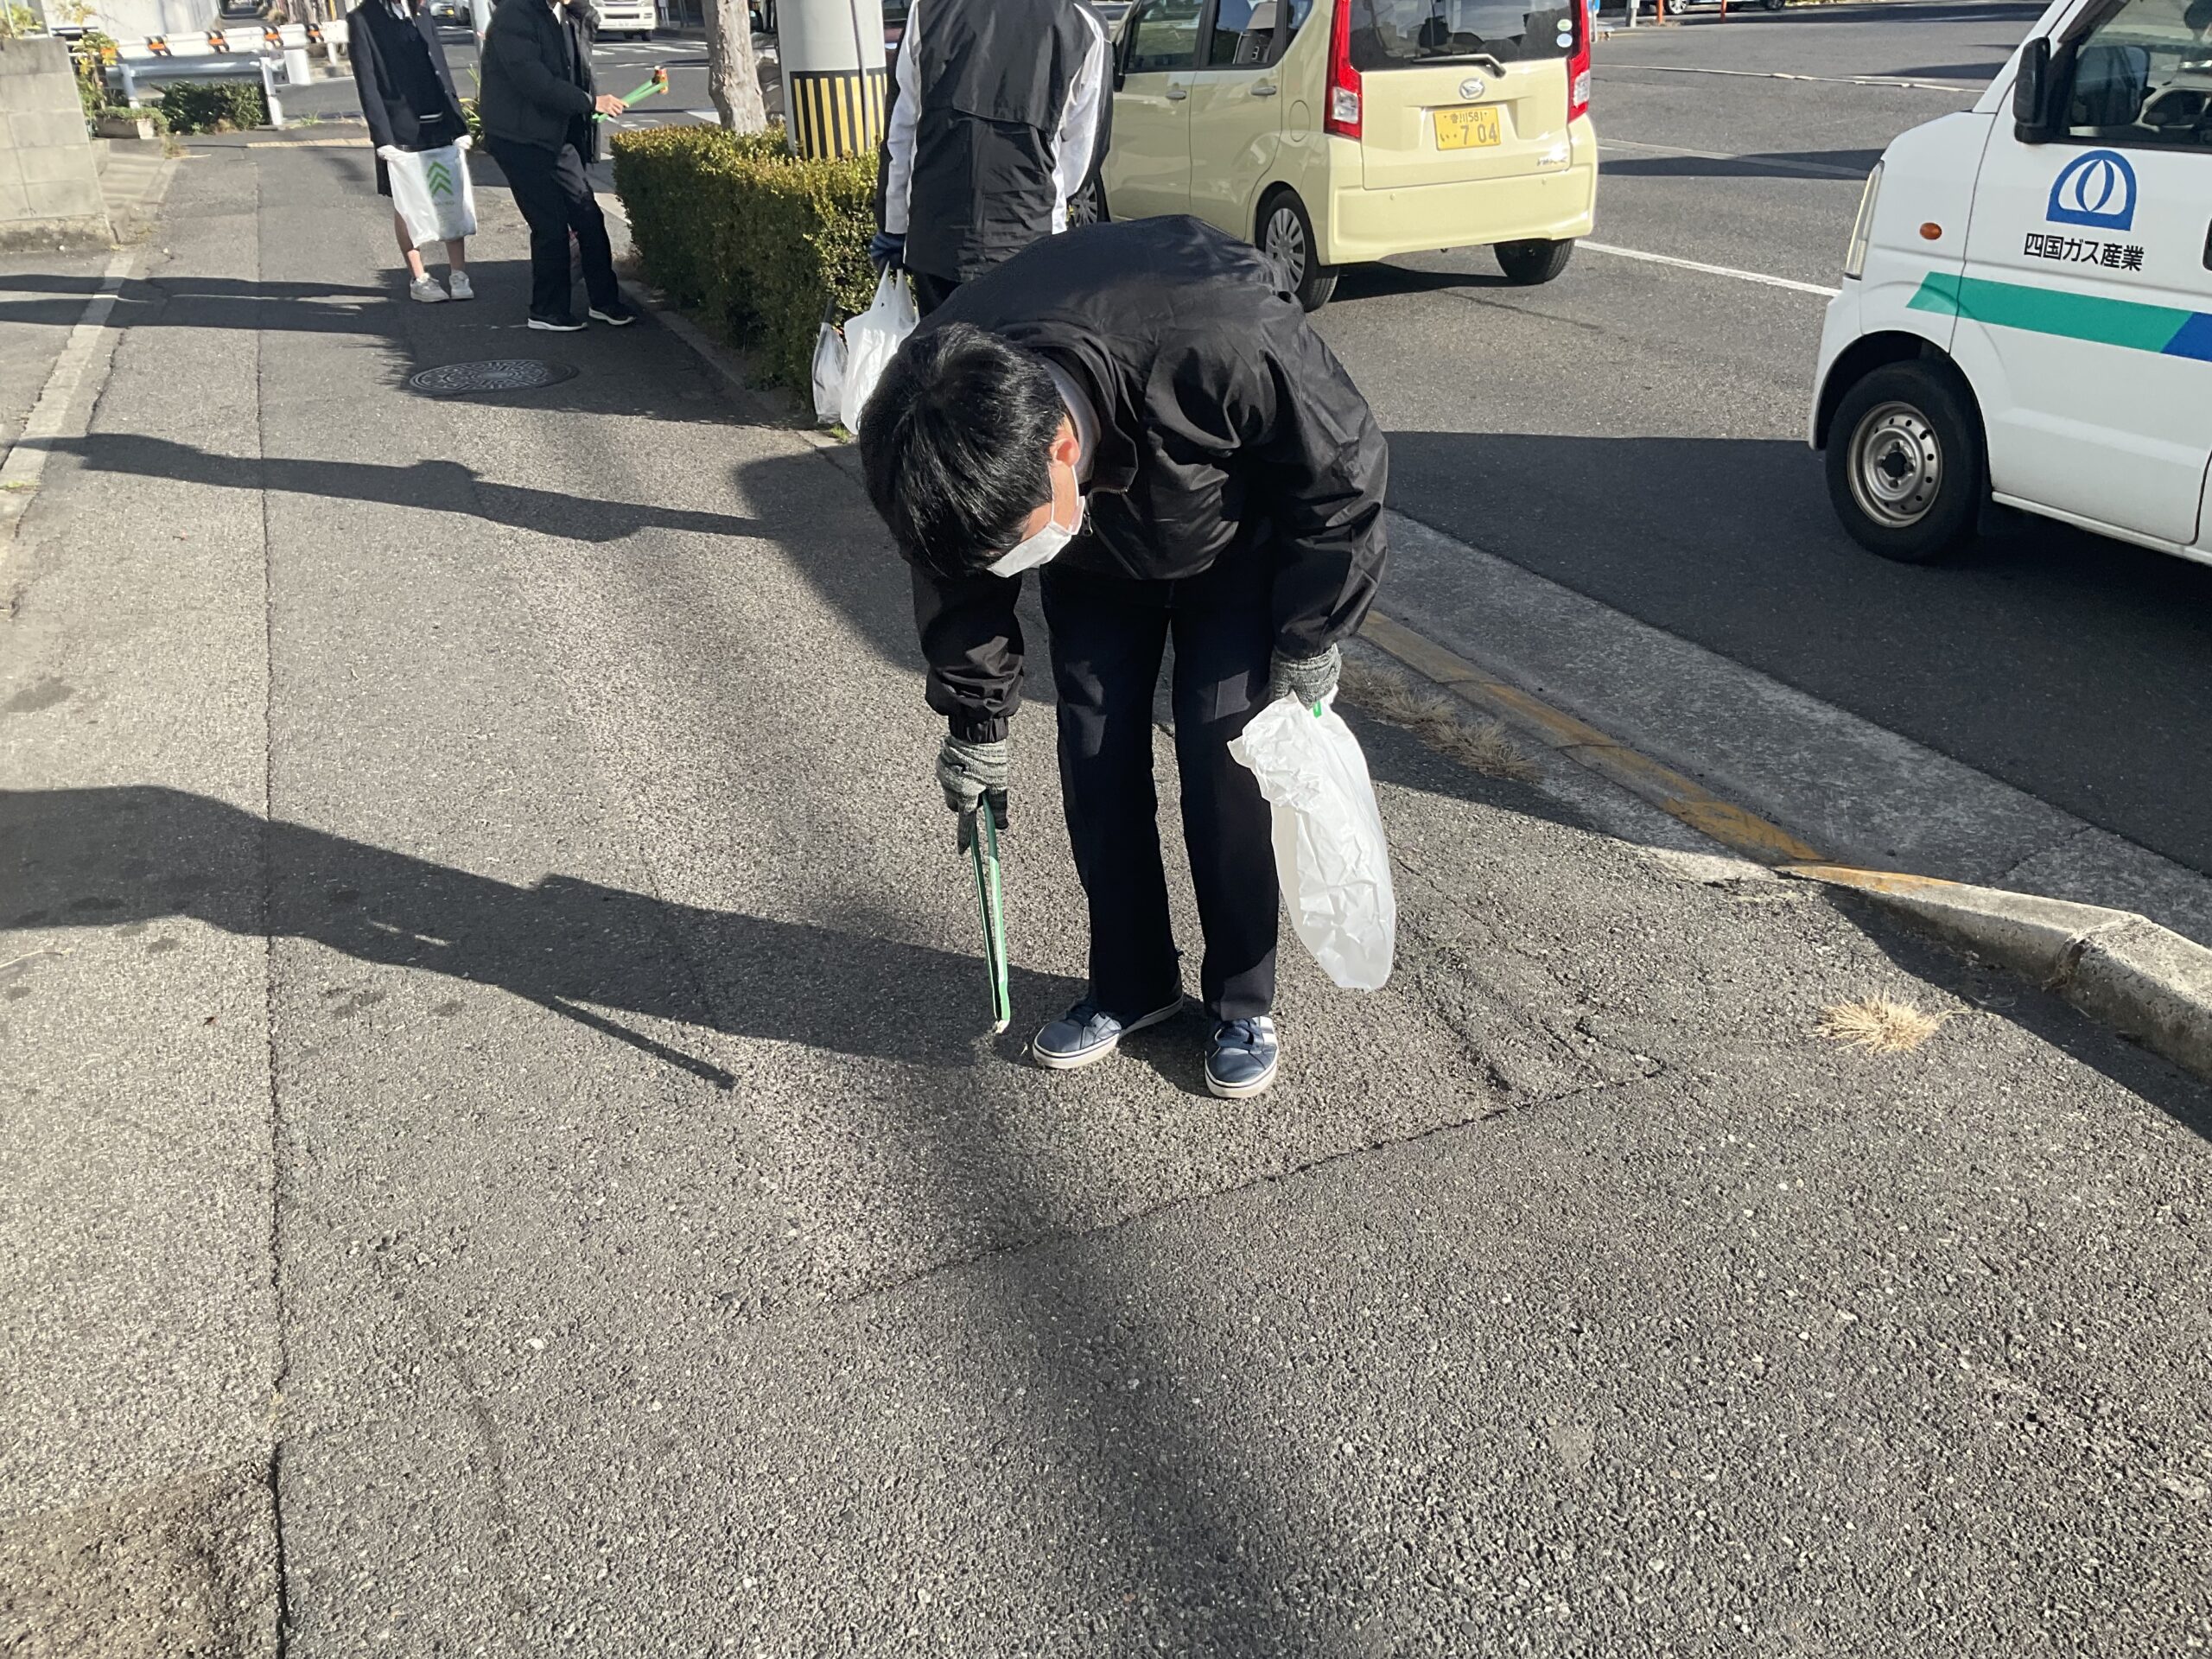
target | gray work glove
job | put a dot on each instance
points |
(1309, 679)
(969, 773)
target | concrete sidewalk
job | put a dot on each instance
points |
(498, 1153)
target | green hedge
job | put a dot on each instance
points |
(754, 237)
(214, 106)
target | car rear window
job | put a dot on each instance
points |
(1393, 34)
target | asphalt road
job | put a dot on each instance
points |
(499, 1152)
(1636, 431)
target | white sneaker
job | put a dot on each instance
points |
(459, 286)
(425, 289)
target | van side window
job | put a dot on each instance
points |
(1254, 34)
(1165, 38)
(2143, 75)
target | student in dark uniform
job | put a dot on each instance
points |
(539, 98)
(406, 90)
(1141, 411)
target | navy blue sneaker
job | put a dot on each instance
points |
(1087, 1034)
(1241, 1058)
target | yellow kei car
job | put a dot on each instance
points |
(1334, 131)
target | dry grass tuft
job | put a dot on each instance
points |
(1880, 1025)
(1443, 723)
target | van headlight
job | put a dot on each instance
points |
(1862, 228)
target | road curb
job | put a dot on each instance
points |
(2144, 981)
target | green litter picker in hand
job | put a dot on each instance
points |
(979, 839)
(658, 84)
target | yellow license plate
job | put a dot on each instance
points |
(1473, 128)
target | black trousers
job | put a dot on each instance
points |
(1109, 635)
(931, 292)
(556, 198)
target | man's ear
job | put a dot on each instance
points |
(1067, 448)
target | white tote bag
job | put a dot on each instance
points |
(432, 191)
(1329, 853)
(871, 339)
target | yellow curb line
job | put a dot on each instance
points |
(1733, 826)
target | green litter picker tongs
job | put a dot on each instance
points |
(979, 839)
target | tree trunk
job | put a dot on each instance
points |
(733, 76)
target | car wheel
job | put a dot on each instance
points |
(1904, 462)
(1774, 5)
(1528, 263)
(1287, 237)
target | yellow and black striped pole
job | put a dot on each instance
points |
(832, 55)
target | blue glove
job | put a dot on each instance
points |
(887, 248)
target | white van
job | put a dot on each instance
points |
(636, 18)
(2026, 312)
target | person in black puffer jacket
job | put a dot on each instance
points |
(538, 103)
(399, 69)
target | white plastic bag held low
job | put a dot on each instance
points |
(871, 339)
(828, 373)
(1330, 853)
(432, 191)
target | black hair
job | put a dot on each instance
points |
(957, 446)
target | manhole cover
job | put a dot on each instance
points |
(501, 374)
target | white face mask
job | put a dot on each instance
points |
(1042, 548)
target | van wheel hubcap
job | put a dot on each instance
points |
(1897, 466)
(1285, 244)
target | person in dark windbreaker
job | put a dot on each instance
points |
(406, 91)
(1139, 412)
(998, 117)
(539, 98)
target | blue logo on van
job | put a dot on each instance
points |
(2098, 189)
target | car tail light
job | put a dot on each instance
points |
(1578, 66)
(1342, 115)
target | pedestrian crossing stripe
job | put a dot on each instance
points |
(2102, 320)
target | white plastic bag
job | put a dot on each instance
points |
(432, 191)
(1329, 853)
(871, 339)
(828, 373)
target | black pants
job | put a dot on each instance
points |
(556, 198)
(931, 292)
(1107, 639)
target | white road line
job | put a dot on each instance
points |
(1758, 277)
(48, 423)
(1831, 80)
(1815, 169)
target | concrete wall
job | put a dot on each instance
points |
(49, 187)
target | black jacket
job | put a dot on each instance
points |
(538, 88)
(397, 94)
(994, 77)
(1229, 436)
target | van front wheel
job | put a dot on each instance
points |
(1287, 237)
(1904, 463)
(1527, 263)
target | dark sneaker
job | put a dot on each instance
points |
(1241, 1058)
(559, 322)
(1087, 1034)
(614, 315)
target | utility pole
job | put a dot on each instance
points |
(833, 83)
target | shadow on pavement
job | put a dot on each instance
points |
(433, 486)
(100, 857)
(1792, 162)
